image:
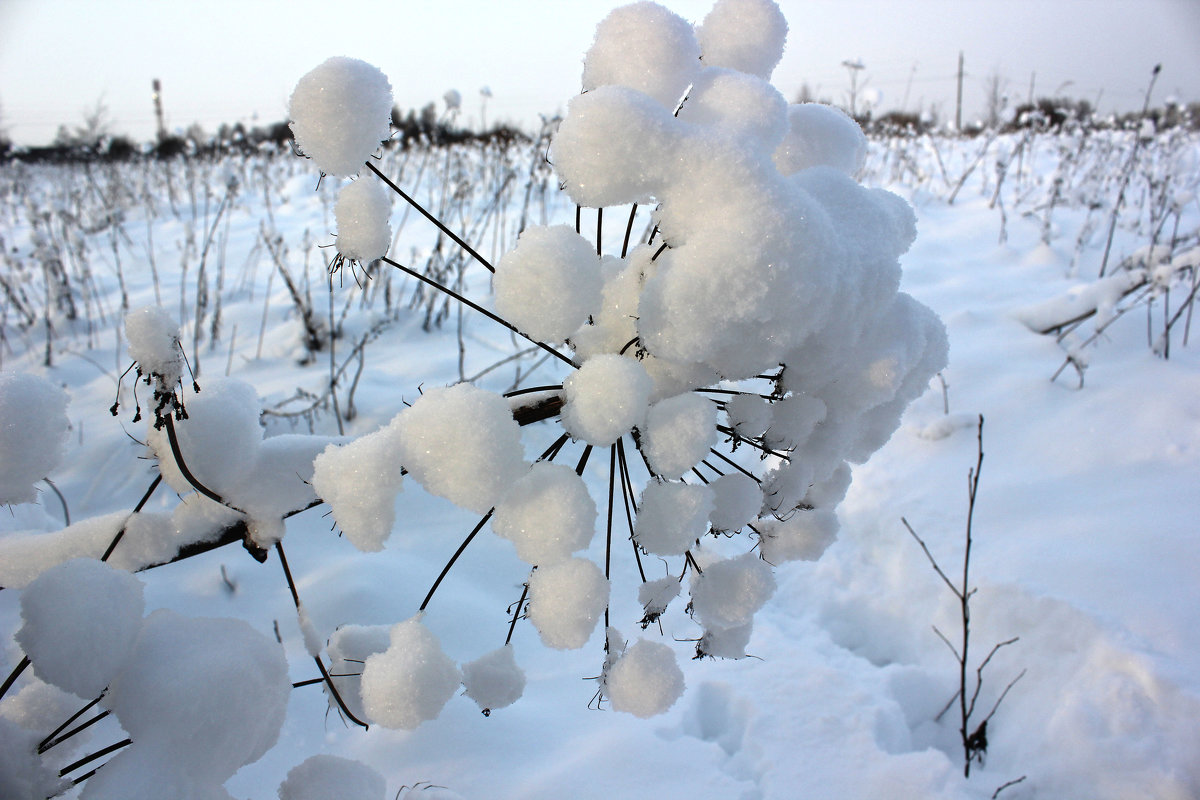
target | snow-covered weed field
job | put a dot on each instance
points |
(1062, 263)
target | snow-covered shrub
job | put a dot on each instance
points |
(733, 361)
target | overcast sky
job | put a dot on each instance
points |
(237, 60)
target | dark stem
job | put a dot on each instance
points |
(62, 773)
(446, 569)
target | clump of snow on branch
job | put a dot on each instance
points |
(671, 517)
(548, 514)
(340, 112)
(360, 481)
(494, 680)
(361, 212)
(646, 47)
(153, 336)
(410, 681)
(324, 776)
(566, 600)
(644, 680)
(33, 431)
(605, 398)
(548, 262)
(79, 623)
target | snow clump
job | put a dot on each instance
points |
(153, 336)
(79, 623)
(646, 47)
(679, 432)
(340, 112)
(565, 601)
(671, 517)
(645, 680)
(549, 283)
(494, 680)
(605, 399)
(361, 212)
(411, 681)
(360, 481)
(547, 514)
(321, 777)
(33, 431)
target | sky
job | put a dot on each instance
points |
(226, 61)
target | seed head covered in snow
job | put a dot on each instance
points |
(79, 623)
(565, 601)
(547, 514)
(645, 680)
(671, 517)
(679, 432)
(549, 283)
(803, 536)
(411, 681)
(736, 501)
(153, 336)
(643, 46)
(656, 595)
(494, 680)
(322, 777)
(340, 112)
(360, 481)
(729, 592)
(361, 212)
(33, 430)
(461, 443)
(746, 35)
(605, 398)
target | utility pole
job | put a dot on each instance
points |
(158, 114)
(855, 67)
(958, 103)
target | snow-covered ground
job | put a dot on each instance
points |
(1085, 539)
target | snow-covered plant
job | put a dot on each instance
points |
(733, 361)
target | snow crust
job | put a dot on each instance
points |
(340, 111)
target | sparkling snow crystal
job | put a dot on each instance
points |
(340, 112)
(33, 430)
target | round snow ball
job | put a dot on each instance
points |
(729, 592)
(565, 601)
(411, 681)
(321, 777)
(360, 481)
(821, 135)
(153, 336)
(494, 680)
(746, 35)
(33, 431)
(79, 622)
(643, 46)
(671, 517)
(804, 536)
(736, 501)
(725, 642)
(548, 514)
(361, 212)
(605, 398)
(340, 112)
(749, 415)
(462, 443)
(213, 681)
(679, 432)
(645, 680)
(549, 283)
(615, 146)
(744, 106)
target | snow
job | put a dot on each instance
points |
(821, 136)
(671, 517)
(746, 35)
(644, 680)
(461, 443)
(360, 481)
(729, 592)
(79, 623)
(549, 283)
(154, 344)
(323, 776)
(340, 111)
(643, 46)
(605, 398)
(33, 430)
(679, 432)
(547, 514)
(361, 212)
(494, 680)
(410, 681)
(565, 602)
